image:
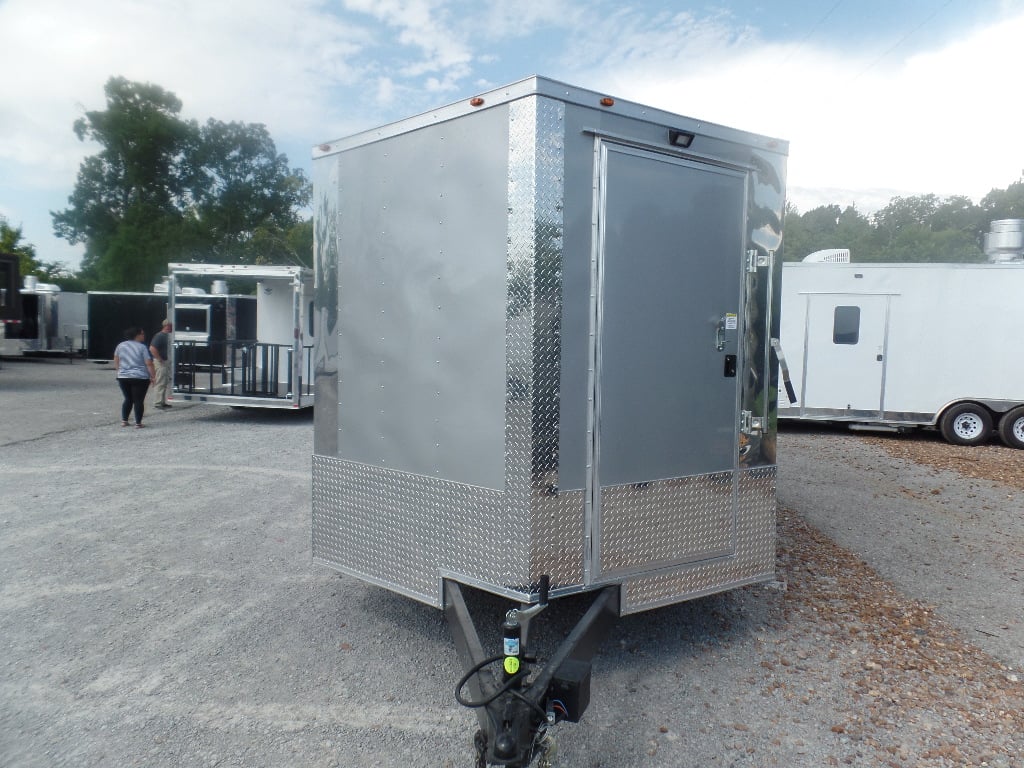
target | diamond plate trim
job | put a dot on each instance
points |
(754, 558)
(400, 530)
(666, 522)
(533, 342)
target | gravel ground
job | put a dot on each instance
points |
(159, 607)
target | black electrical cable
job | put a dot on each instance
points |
(510, 683)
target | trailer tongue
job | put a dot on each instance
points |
(543, 367)
(514, 711)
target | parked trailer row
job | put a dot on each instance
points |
(242, 335)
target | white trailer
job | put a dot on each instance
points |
(248, 342)
(900, 346)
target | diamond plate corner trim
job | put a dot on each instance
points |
(533, 342)
(401, 530)
(754, 558)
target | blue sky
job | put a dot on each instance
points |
(877, 99)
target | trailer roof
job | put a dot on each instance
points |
(238, 270)
(542, 86)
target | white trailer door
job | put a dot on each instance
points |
(844, 353)
(669, 271)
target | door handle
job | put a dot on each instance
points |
(728, 322)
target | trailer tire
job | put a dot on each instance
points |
(966, 424)
(1011, 427)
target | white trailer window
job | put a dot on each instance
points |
(846, 325)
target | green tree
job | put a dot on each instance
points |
(919, 243)
(1004, 203)
(300, 241)
(795, 237)
(246, 198)
(903, 213)
(11, 242)
(129, 197)
(56, 272)
(826, 226)
(162, 189)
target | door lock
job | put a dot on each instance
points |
(728, 322)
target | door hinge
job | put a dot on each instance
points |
(757, 259)
(751, 424)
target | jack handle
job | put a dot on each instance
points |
(525, 614)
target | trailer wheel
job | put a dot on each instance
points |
(1011, 427)
(966, 424)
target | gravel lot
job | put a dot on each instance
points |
(159, 607)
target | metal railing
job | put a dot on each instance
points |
(241, 368)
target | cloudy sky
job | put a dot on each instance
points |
(877, 98)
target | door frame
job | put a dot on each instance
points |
(603, 145)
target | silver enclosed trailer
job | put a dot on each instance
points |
(907, 345)
(52, 322)
(543, 356)
(248, 340)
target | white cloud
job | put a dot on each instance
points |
(942, 122)
(251, 60)
(861, 130)
(424, 25)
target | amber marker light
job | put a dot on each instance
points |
(607, 101)
(476, 101)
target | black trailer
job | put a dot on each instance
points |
(10, 299)
(110, 313)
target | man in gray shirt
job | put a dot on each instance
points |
(158, 347)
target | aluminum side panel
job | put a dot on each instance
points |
(422, 239)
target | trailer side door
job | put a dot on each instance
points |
(670, 237)
(845, 354)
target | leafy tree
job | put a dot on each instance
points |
(246, 199)
(919, 243)
(10, 242)
(47, 271)
(162, 189)
(959, 213)
(827, 226)
(58, 273)
(134, 188)
(1004, 203)
(300, 241)
(902, 213)
(925, 228)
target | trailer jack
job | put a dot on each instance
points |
(514, 711)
